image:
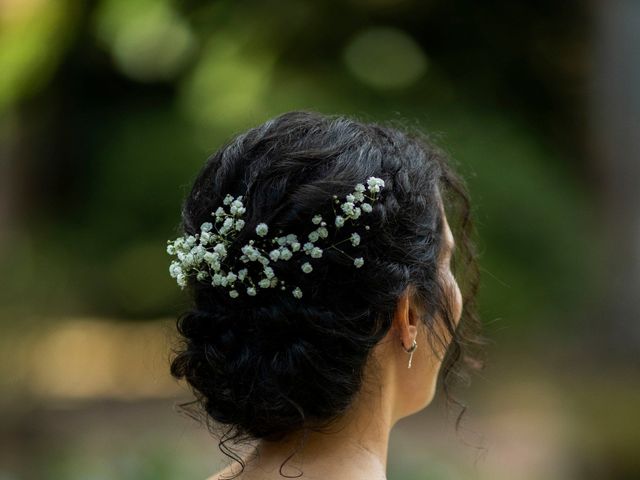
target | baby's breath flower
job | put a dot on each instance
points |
(175, 269)
(204, 254)
(202, 275)
(274, 255)
(268, 271)
(347, 207)
(262, 229)
(285, 253)
(205, 237)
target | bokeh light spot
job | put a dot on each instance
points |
(385, 58)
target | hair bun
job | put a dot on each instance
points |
(269, 369)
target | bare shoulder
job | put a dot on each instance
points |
(228, 473)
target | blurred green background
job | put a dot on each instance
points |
(108, 108)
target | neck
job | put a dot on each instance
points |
(355, 447)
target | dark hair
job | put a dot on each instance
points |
(269, 365)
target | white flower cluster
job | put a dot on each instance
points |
(204, 253)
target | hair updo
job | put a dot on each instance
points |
(269, 365)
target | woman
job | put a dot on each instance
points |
(318, 255)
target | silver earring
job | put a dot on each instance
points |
(410, 351)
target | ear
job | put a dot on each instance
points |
(405, 320)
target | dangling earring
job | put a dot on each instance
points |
(410, 351)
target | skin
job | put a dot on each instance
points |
(357, 446)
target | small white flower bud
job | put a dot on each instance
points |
(355, 239)
(206, 227)
(339, 221)
(306, 267)
(297, 292)
(227, 199)
(358, 262)
(274, 255)
(316, 219)
(251, 291)
(233, 293)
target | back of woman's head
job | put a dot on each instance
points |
(269, 364)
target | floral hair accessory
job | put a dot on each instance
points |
(204, 254)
